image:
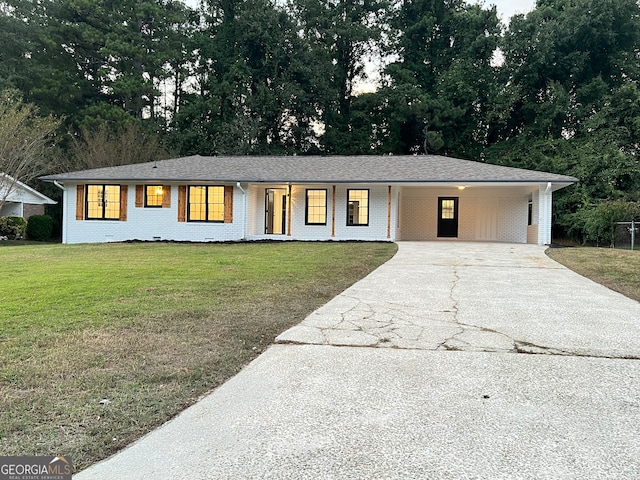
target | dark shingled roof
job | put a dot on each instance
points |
(315, 169)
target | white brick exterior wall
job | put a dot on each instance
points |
(375, 230)
(148, 223)
(485, 214)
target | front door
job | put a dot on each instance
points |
(448, 217)
(275, 211)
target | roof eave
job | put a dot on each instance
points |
(468, 181)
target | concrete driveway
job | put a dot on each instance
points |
(487, 297)
(451, 361)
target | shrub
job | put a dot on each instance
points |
(598, 222)
(12, 227)
(39, 227)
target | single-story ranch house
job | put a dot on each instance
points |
(385, 198)
(20, 199)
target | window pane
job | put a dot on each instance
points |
(112, 201)
(448, 211)
(215, 204)
(154, 196)
(317, 207)
(197, 199)
(94, 201)
(358, 207)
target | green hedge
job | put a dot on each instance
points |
(39, 227)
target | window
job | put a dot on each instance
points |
(205, 204)
(530, 210)
(153, 195)
(316, 213)
(103, 202)
(448, 209)
(357, 207)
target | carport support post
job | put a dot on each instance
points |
(545, 197)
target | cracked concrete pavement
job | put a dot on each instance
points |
(476, 297)
(418, 372)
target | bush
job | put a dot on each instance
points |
(598, 222)
(12, 227)
(39, 227)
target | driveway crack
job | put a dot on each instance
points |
(454, 342)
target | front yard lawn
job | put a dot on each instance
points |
(99, 344)
(617, 269)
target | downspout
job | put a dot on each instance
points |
(389, 213)
(244, 209)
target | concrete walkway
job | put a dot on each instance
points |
(441, 389)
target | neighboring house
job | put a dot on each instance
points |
(22, 200)
(204, 199)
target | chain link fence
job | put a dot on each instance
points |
(627, 235)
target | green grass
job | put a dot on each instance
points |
(149, 327)
(617, 269)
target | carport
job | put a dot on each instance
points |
(513, 212)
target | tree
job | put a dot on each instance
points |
(96, 60)
(597, 223)
(252, 90)
(26, 141)
(342, 34)
(570, 103)
(437, 92)
(32, 61)
(107, 147)
(14, 37)
(562, 60)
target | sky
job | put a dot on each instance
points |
(508, 8)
